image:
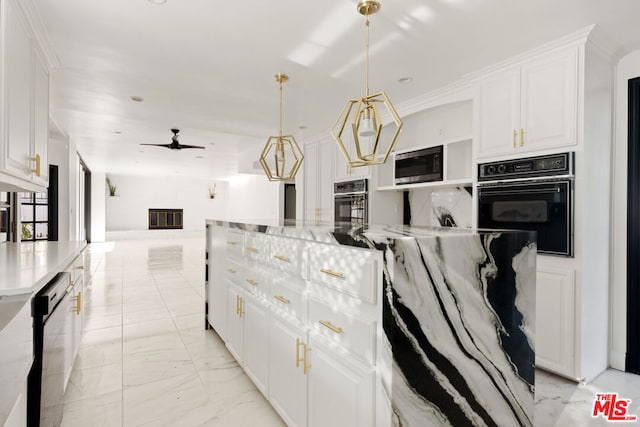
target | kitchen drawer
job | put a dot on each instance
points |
(234, 271)
(255, 279)
(351, 271)
(235, 243)
(335, 323)
(288, 296)
(257, 248)
(288, 254)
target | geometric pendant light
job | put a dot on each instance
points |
(364, 117)
(281, 157)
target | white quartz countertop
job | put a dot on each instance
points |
(26, 267)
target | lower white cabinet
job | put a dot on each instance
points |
(555, 320)
(256, 342)
(75, 315)
(288, 381)
(340, 391)
(235, 311)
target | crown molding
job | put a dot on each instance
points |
(457, 91)
(40, 33)
(606, 47)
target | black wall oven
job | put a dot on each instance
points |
(351, 202)
(542, 202)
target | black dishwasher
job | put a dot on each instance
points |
(45, 390)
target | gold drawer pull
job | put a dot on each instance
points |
(252, 282)
(281, 299)
(282, 258)
(78, 302)
(37, 160)
(231, 243)
(332, 273)
(232, 271)
(254, 250)
(327, 324)
(80, 267)
(521, 137)
(515, 134)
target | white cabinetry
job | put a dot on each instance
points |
(75, 315)
(555, 320)
(528, 107)
(318, 181)
(25, 102)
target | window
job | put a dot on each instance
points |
(5, 216)
(34, 216)
(165, 218)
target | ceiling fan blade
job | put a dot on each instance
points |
(159, 145)
(191, 146)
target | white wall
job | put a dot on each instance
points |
(98, 226)
(628, 68)
(59, 156)
(245, 197)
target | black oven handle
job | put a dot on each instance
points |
(523, 191)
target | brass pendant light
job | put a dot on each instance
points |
(366, 125)
(281, 157)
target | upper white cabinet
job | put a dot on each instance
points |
(25, 105)
(528, 107)
(318, 180)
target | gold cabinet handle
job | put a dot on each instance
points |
(298, 359)
(281, 299)
(521, 137)
(237, 304)
(327, 324)
(282, 258)
(80, 267)
(254, 250)
(78, 303)
(515, 134)
(231, 243)
(305, 366)
(332, 273)
(37, 160)
(240, 306)
(252, 282)
(231, 270)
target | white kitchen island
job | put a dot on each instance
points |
(389, 325)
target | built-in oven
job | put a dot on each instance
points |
(351, 202)
(534, 194)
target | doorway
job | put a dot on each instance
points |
(289, 202)
(632, 362)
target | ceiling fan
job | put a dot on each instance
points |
(175, 145)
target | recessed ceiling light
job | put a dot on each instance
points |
(136, 98)
(405, 80)
(157, 1)
(117, 132)
(302, 127)
(212, 143)
(199, 157)
(140, 151)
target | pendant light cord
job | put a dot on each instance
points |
(281, 110)
(366, 76)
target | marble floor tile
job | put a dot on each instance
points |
(146, 360)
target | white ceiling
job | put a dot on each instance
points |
(206, 67)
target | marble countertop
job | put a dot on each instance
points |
(347, 234)
(26, 267)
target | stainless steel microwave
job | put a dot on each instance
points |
(419, 166)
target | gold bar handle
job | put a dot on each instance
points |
(327, 324)
(282, 258)
(332, 273)
(254, 250)
(78, 303)
(231, 243)
(231, 270)
(241, 307)
(515, 134)
(281, 299)
(37, 160)
(252, 282)
(298, 359)
(305, 367)
(521, 137)
(237, 304)
(80, 267)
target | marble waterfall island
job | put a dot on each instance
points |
(456, 314)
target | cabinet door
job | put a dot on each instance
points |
(74, 324)
(217, 285)
(549, 101)
(40, 117)
(17, 84)
(287, 383)
(341, 170)
(498, 113)
(256, 343)
(235, 311)
(311, 208)
(555, 323)
(341, 393)
(325, 181)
